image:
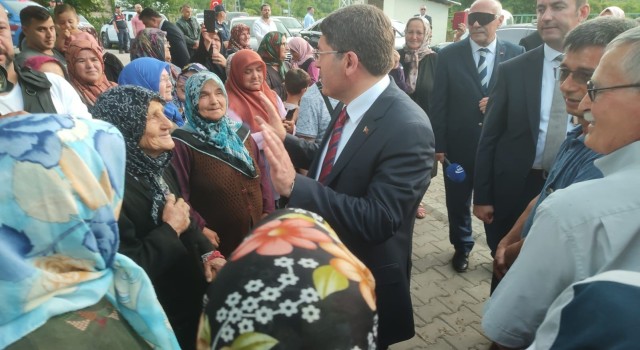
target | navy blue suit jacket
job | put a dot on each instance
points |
(371, 197)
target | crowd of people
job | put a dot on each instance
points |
(189, 198)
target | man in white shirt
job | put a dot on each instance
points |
(63, 95)
(368, 175)
(589, 227)
(263, 25)
(308, 18)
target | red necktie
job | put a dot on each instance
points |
(332, 148)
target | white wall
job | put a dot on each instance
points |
(402, 10)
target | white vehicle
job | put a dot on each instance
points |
(108, 34)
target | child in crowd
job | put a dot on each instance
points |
(66, 20)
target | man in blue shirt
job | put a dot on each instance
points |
(308, 18)
(583, 49)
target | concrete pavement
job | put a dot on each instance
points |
(447, 305)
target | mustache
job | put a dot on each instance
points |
(588, 116)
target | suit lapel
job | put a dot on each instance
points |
(363, 131)
(533, 88)
(500, 56)
(470, 63)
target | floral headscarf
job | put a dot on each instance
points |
(302, 48)
(247, 103)
(59, 205)
(234, 41)
(220, 134)
(149, 42)
(145, 72)
(292, 285)
(415, 56)
(89, 92)
(269, 51)
(126, 107)
(182, 78)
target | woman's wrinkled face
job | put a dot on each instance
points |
(166, 87)
(212, 104)
(181, 84)
(253, 76)
(157, 134)
(88, 67)
(244, 38)
(167, 52)
(414, 34)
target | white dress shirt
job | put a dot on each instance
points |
(490, 56)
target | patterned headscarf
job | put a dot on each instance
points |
(89, 92)
(302, 48)
(269, 51)
(246, 103)
(220, 134)
(292, 285)
(182, 78)
(63, 184)
(149, 43)
(145, 72)
(415, 56)
(126, 107)
(234, 41)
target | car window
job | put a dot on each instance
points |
(513, 35)
(291, 23)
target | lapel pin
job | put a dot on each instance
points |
(366, 130)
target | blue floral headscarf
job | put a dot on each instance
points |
(220, 134)
(63, 183)
(145, 72)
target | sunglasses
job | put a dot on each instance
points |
(592, 91)
(482, 18)
(580, 77)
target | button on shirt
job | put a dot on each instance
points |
(356, 110)
(490, 56)
(546, 96)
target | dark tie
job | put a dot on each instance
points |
(332, 148)
(557, 127)
(482, 70)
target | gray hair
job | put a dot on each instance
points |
(364, 30)
(497, 6)
(630, 63)
(599, 31)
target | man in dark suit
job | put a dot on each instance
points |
(383, 159)
(179, 52)
(531, 41)
(513, 149)
(464, 75)
(423, 14)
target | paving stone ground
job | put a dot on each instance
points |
(447, 306)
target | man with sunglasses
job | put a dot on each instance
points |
(541, 271)
(465, 73)
(524, 125)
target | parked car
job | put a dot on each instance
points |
(249, 22)
(200, 18)
(13, 8)
(291, 23)
(109, 36)
(313, 33)
(232, 15)
(513, 33)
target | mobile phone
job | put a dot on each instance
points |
(290, 114)
(210, 20)
(458, 17)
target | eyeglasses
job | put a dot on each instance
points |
(580, 77)
(593, 91)
(316, 53)
(482, 18)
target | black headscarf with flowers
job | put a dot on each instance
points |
(126, 107)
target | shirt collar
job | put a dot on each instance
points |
(492, 46)
(361, 104)
(620, 159)
(550, 54)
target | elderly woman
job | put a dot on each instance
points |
(218, 165)
(247, 87)
(419, 63)
(156, 230)
(307, 290)
(154, 75)
(273, 51)
(212, 54)
(62, 281)
(86, 70)
(188, 70)
(302, 57)
(240, 35)
(152, 42)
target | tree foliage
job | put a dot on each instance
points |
(529, 6)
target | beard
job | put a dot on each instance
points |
(8, 58)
